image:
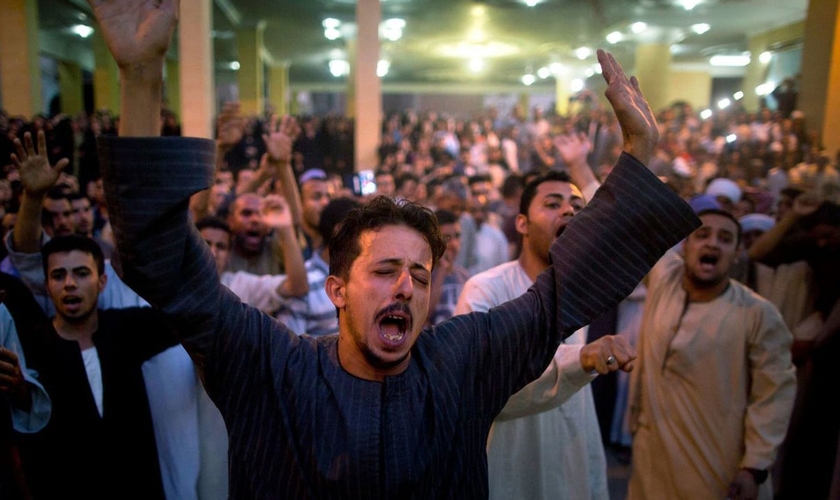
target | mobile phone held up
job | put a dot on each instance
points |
(364, 183)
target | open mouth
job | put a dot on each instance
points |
(560, 230)
(708, 262)
(71, 300)
(394, 323)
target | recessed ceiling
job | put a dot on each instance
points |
(440, 37)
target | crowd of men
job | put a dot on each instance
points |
(241, 318)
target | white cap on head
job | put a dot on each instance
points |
(724, 187)
(756, 222)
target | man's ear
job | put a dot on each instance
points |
(521, 223)
(103, 280)
(336, 291)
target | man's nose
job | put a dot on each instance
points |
(404, 287)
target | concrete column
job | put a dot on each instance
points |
(693, 87)
(106, 76)
(562, 92)
(20, 74)
(249, 44)
(653, 69)
(819, 95)
(278, 88)
(70, 83)
(195, 69)
(172, 86)
(350, 94)
(368, 103)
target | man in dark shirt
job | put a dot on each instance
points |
(378, 411)
(99, 440)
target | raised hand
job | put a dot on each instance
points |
(230, 126)
(36, 174)
(638, 124)
(281, 138)
(275, 212)
(137, 32)
(573, 148)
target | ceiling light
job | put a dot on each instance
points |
(576, 85)
(741, 60)
(738, 95)
(731, 138)
(765, 88)
(331, 23)
(706, 114)
(700, 28)
(382, 68)
(598, 69)
(765, 57)
(724, 103)
(556, 68)
(544, 72)
(615, 37)
(528, 79)
(234, 65)
(476, 65)
(583, 52)
(589, 72)
(638, 27)
(689, 4)
(339, 67)
(82, 30)
(531, 3)
(392, 29)
(332, 34)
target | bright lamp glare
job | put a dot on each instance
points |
(576, 85)
(82, 30)
(731, 138)
(690, 4)
(332, 34)
(382, 68)
(528, 79)
(765, 57)
(339, 67)
(543, 72)
(638, 27)
(476, 65)
(700, 28)
(738, 95)
(706, 114)
(724, 103)
(729, 60)
(614, 37)
(765, 88)
(330, 23)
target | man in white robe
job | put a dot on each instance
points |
(713, 391)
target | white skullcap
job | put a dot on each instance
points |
(724, 187)
(756, 222)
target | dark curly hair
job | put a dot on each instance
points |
(381, 211)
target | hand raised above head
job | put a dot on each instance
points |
(137, 32)
(280, 138)
(573, 148)
(275, 212)
(36, 174)
(638, 124)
